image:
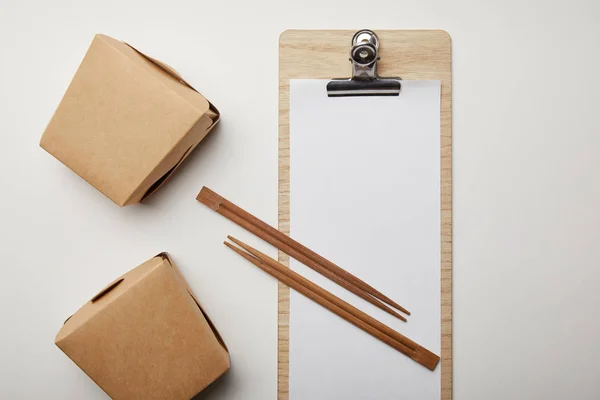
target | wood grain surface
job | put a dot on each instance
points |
(412, 55)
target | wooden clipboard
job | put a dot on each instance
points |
(411, 55)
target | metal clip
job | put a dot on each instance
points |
(364, 55)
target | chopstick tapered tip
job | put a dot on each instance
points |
(395, 305)
(395, 314)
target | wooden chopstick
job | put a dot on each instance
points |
(298, 251)
(317, 267)
(324, 293)
(337, 305)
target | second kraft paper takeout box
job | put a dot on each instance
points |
(145, 336)
(126, 121)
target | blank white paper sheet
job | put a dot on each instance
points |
(365, 194)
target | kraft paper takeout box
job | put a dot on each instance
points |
(126, 121)
(145, 336)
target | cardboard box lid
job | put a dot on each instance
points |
(145, 336)
(123, 114)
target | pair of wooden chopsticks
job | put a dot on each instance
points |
(299, 252)
(336, 305)
(325, 268)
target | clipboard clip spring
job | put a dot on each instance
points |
(364, 55)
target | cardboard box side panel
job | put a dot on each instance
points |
(171, 162)
(151, 343)
(179, 276)
(45, 139)
(114, 123)
(213, 328)
(147, 64)
(93, 306)
(222, 360)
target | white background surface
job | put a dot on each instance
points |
(374, 209)
(526, 187)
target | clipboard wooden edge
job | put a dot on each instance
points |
(412, 55)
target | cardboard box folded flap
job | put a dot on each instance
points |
(127, 121)
(146, 336)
